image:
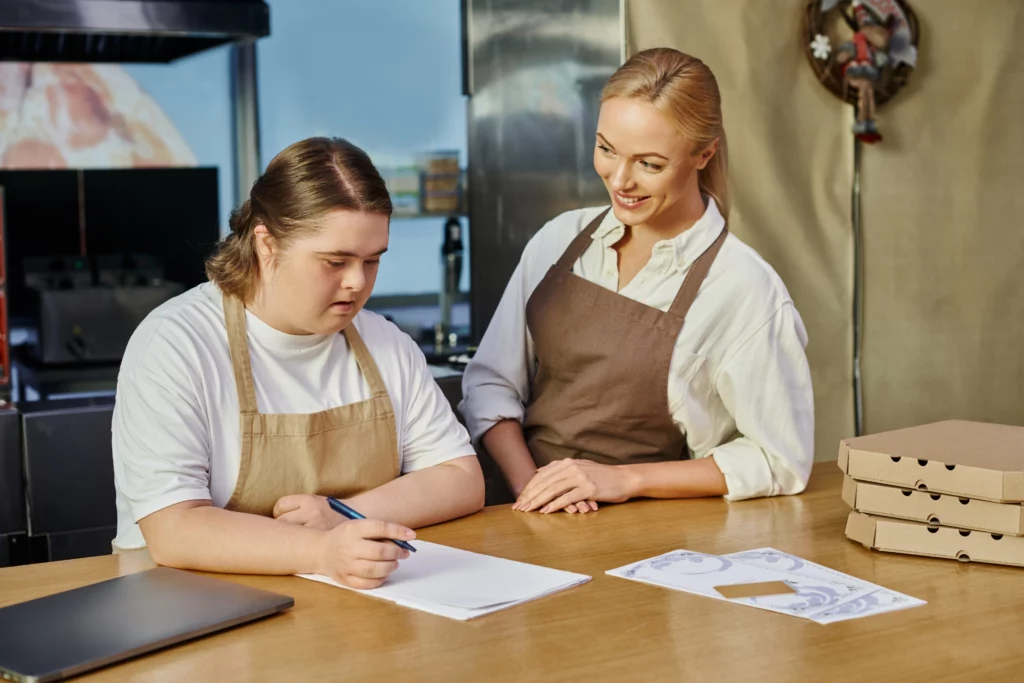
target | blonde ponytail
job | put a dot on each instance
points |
(714, 177)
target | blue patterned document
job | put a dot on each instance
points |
(820, 594)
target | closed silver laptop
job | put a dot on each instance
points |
(69, 633)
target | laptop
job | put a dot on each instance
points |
(66, 634)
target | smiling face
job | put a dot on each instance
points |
(648, 166)
(319, 282)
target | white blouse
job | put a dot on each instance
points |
(740, 386)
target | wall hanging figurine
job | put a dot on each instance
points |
(875, 52)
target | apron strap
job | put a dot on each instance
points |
(365, 361)
(238, 347)
(695, 277)
(580, 243)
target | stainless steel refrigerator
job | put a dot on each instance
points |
(533, 71)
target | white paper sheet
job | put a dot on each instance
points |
(462, 585)
(822, 595)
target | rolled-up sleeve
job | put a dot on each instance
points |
(496, 383)
(766, 387)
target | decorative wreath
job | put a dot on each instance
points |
(863, 51)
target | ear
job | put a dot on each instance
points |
(706, 155)
(265, 246)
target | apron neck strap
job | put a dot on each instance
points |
(234, 318)
(691, 283)
(238, 347)
(580, 243)
(695, 277)
(365, 361)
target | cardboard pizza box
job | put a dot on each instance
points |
(913, 538)
(966, 459)
(934, 508)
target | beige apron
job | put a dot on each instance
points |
(601, 389)
(338, 452)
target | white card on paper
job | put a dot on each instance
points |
(863, 599)
(821, 594)
(461, 585)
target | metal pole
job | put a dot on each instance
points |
(247, 118)
(858, 286)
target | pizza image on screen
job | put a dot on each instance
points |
(83, 116)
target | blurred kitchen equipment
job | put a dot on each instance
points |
(451, 273)
(88, 317)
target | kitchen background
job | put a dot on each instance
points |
(917, 317)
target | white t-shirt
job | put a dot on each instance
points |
(176, 417)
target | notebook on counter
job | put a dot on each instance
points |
(459, 584)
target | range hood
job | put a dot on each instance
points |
(124, 30)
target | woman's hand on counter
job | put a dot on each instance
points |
(581, 483)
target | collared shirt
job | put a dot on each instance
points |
(739, 383)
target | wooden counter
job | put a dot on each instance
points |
(609, 629)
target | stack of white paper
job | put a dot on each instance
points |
(820, 594)
(461, 585)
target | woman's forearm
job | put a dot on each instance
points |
(506, 445)
(681, 479)
(428, 496)
(197, 535)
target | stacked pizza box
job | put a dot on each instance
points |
(951, 489)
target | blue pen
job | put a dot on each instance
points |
(349, 513)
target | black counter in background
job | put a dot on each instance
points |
(69, 477)
(57, 481)
(13, 525)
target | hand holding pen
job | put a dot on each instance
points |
(346, 511)
(353, 554)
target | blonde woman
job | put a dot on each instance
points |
(246, 401)
(641, 350)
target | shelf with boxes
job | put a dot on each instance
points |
(951, 489)
(432, 184)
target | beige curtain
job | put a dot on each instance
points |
(790, 161)
(944, 226)
(943, 200)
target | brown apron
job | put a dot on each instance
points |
(601, 388)
(338, 452)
